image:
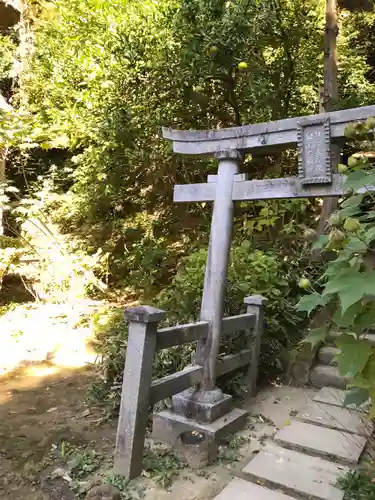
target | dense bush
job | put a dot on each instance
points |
(103, 77)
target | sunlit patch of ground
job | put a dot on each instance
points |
(53, 333)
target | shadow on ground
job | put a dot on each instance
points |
(42, 407)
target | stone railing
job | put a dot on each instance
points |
(139, 391)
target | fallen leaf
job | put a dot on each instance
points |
(52, 409)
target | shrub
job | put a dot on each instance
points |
(250, 272)
(348, 282)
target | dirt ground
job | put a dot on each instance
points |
(46, 421)
(38, 412)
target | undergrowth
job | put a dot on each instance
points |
(357, 485)
(250, 272)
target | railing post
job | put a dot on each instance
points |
(135, 395)
(255, 305)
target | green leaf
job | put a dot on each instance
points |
(365, 319)
(316, 336)
(310, 302)
(359, 179)
(356, 397)
(350, 211)
(370, 235)
(354, 354)
(320, 242)
(367, 377)
(348, 318)
(352, 201)
(355, 245)
(351, 286)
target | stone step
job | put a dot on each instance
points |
(239, 489)
(296, 473)
(333, 417)
(327, 354)
(336, 397)
(340, 446)
(325, 375)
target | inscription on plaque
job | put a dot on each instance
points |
(314, 151)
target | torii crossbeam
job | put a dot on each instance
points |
(311, 135)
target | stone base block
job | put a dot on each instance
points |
(172, 428)
(202, 406)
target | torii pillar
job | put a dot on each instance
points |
(313, 137)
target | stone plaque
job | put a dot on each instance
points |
(314, 151)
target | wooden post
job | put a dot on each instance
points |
(329, 97)
(217, 265)
(255, 305)
(135, 395)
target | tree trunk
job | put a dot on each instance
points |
(2, 182)
(330, 96)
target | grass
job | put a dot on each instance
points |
(161, 465)
(357, 485)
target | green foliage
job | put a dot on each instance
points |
(357, 485)
(316, 336)
(161, 465)
(103, 77)
(348, 282)
(7, 54)
(356, 396)
(250, 272)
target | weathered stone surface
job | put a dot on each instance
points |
(341, 446)
(325, 375)
(314, 150)
(334, 417)
(215, 278)
(296, 473)
(255, 304)
(286, 187)
(202, 406)
(169, 427)
(327, 354)
(239, 489)
(144, 314)
(281, 133)
(336, 397)
(135, 395)
(169, 385)
(104, 492)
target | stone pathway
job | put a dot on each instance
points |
(306, 458)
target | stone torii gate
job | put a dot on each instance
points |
(313, 136)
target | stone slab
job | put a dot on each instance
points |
(296, 473)
(188, 404)
(336, 397)
(323, 375)
(169, 427)
(239, 489)
(286, 187)
(260, 136)
(334, 417)
(327, 354)
(338, 445)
